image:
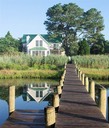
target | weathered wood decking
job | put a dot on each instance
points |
(25, 119)
(77, 109)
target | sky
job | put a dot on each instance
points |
(28, 16)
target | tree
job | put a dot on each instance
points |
(106, 47)
(70, 22)
(8, 44)
(84, 48)
(93, 24)
(98, 46)
(65, 21)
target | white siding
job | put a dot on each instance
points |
(32, 44)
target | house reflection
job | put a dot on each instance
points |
(37, 92)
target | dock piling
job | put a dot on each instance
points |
(86, 82)
(56, 102)
(50, 117)
(103, 102)
(11, 99)
(92, 90)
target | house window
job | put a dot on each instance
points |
(37, 93)
(43, 53)
(35, 53)
(41, 93)
(37, 43)
(39, 53)
(41, 43)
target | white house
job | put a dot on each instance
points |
(38, 92)
(40, 44)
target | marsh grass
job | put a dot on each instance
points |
(94, 66)
(96, 74)
(92, 61)
(7, 74)
(26, 66)
(24, 62)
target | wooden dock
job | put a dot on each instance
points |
(25, 119)
(77, 109)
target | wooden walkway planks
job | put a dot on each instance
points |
(77, 109)
(25, 119)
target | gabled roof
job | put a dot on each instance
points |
(51, 40)
(45, 36)
(32, 36)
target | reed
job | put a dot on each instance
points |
(96, 74)
(94, 66)
(92, 61)
(7, 74)
(24, 62)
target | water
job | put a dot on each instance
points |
(30, 94)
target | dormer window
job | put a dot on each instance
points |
(39, 43)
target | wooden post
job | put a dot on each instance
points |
(92, 90)
(59, 90)
(62, 77)
(87, 83)
(11, 99)
(61, 83)
(56, 102)
(103, 102)
(82, 78)
(80, 73)
(64, 72)
(50, 117)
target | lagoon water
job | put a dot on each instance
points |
(30, 94)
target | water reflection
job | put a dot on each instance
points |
(37, 92)
(31, 95)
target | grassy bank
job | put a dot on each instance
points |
(6, 74)
(97, 74)
(26, 66)
(94, 66)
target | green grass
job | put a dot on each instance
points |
(6, 74)
(96, 74)
(24, 62)
(92, 61)
(26, 66)
(94, 66)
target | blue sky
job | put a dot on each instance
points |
(27, 16)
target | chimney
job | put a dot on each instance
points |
(27, 39)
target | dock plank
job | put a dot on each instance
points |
(25, 119)
(77, 109)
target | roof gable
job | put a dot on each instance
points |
(46, 37)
